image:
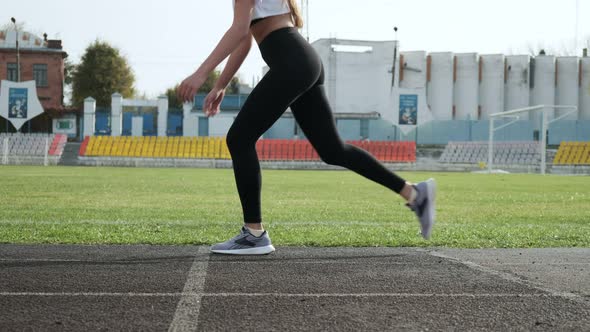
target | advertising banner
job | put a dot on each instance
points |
(19, 102)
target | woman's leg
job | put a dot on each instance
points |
(313, 113)
(267, 102)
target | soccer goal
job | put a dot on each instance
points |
(544, 125)
(25, 149)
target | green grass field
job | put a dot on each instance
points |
(306, 208)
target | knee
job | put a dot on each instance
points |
(232, 140)
(239, 141)
(333, 156)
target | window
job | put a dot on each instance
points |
(365, 128)
(12, 72)
(203, 126)
(40, 75)
(66, 124)
(296, 129)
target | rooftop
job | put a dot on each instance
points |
(28, 41)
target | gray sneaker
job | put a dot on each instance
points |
(245, 244)
(424, 206)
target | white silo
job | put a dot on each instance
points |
(517, 90)
(567, 89)
(439, 93)
(491, 89)
(542, 84)
(584, 108)
(413, 70)
(466, 90)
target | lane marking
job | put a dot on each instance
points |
(510, 277)
(91, 261)
(94, 294)
(336, 260)
(186, 316)
(200, 295)
(469, 295)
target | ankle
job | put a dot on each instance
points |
(254, 226)
(255, 229)
(409, 193)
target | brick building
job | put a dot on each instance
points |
(41, 60)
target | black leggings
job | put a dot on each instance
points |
(295, 80)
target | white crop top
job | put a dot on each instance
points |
(266, 8)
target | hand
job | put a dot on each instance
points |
(213, 101)
(189, 87)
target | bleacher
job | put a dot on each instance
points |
(302, 150)
(32, 145)
(573, 153)
(505, 153)
(216, 148)
(155, 147)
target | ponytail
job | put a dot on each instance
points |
(296, 13)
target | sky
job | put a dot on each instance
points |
(165, 41)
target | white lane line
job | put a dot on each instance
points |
(539, 264)
(186, 316)
(45, 260)
(511, 277)
(200, 295)
(475, 295)
(94, 294)
(349, 260)
(90, 261)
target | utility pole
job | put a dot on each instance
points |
(394, 58)
(17, 51)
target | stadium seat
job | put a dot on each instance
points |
(573, 153)
(216, 148)
(504, 152)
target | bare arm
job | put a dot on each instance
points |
(231, 40)
(233, 64)
(212, 103)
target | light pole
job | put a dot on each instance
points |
(394, 58)
(17, 51)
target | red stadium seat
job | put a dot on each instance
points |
(266, 149)
(290, 150)
(83, 146)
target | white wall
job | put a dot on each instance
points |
(439, 91)
(219, 125)
(543, 91)
(360, 82)
(466, 87)
(491, 88)
(584, 108)
(414, 70)
(357, 82)
(517, 89)
(567, 88)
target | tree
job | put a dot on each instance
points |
(567, 48)
(69, 69)
(173, 101)
(233, 88)
(102, 71)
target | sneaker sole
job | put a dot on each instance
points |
(250, 251)
(431, 187)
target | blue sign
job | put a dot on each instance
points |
(17, 103)
(408, 110)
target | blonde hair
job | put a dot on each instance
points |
(296, 13)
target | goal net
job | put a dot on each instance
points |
(542, 112)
